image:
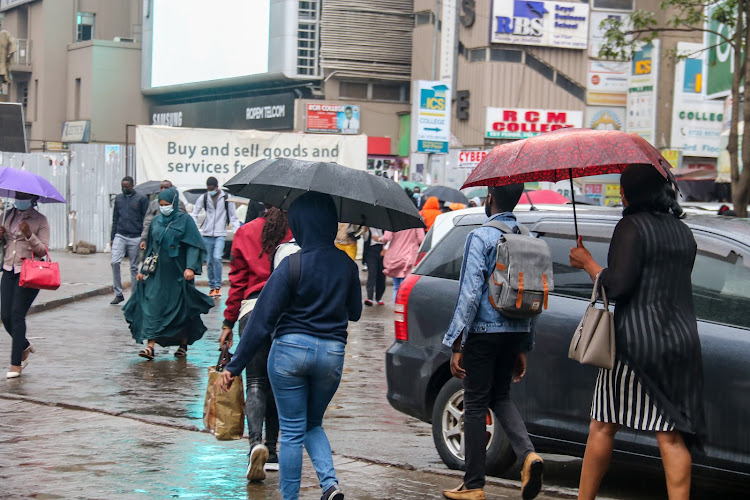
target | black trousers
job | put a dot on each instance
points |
(489, 360)
(375, 276)
(15, 302)
(259, 403)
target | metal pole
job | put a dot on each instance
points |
(435, 37)
(573, 197)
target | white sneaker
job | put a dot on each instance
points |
(29, 349)
(12, 374)
(258, 458)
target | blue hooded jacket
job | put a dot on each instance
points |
(328, 294)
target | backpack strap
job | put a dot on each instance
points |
(506, 228)
(295, 269)
(226, 207)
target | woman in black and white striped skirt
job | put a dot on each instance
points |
(657, 382)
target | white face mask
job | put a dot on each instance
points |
(166, 210)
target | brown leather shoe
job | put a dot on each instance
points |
(463, 494)
(531, 476)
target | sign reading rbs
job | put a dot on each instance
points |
(551, 24)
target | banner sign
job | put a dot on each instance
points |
(470, 158)
(77, 131)
(719, 58)
(642, 88)
(431, 108)
(514, 123)
(607, 83)
(548, 24)
(604, 118)
(596, 38)
(332, 119)
(187, 156)
(696, 122)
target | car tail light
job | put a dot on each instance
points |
(401, 307)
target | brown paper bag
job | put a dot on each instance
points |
(224, 412)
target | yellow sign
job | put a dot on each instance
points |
(612, 191)
(672, 156)
(57, 146)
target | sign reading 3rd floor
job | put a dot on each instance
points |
(550, 24)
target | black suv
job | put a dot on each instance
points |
(555, 396)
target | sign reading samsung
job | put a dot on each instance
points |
(549, 24)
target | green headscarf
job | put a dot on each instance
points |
(169, 231)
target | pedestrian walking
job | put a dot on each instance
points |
(375, 268)
(657, 382)
(165, 307)
(25, 234)
(220, 214)
(417, 195)
(401, 254)
(127, 224)
(430, 211)
(346, 238)
(253, 251)
(489, 352)
(153, 211)
(306, 306)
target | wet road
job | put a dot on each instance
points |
(87, 360)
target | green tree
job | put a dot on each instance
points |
(699, 16)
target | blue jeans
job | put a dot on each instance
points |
(305, 372)
(396, 284)
(215, 249)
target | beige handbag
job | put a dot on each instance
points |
(594, 340)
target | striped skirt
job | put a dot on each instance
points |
(620, 399)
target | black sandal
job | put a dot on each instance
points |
(181, 352)
(147, 353)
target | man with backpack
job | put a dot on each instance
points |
(220, 214)
(505, 278)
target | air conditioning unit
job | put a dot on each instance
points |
(122, 39)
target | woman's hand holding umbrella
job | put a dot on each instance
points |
(581, 258)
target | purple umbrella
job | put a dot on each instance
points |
(13, 180)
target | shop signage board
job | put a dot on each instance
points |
(696, 122)
(642, 91)
(607, 83)
(76, 131)
(520, 123)
(470, 158)
(673, 156)
(546, 24)
(719, 59)
(431, 109)
(332, 119)
(596, 37)
(604, 118)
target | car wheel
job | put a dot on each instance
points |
(448, 432)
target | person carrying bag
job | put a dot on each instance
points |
(224, 412)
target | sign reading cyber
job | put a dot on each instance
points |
(432, 110)
(549, 24)
(506, 123)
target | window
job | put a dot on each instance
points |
(538, 66)
(570, 86)
(614, 4)
(386, 92)
(85, 26)
(424, 17)
(505, 55)
(721, 289)
(307, 37)
(445, 259)
(353, 90)
(478, 55)
(570, 281)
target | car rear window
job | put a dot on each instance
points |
(427, 243)
(444, 261)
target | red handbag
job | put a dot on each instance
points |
(40, 274)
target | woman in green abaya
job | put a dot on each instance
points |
(165, 307)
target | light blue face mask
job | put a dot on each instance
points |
(22, 204)
(166, 210)
(213, 192)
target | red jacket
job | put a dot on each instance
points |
(249, 269)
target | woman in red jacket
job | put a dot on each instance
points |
(252, 257)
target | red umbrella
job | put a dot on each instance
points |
(543, 197)
(566, 154)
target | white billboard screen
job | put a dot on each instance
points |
(199, 41)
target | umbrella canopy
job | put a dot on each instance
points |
(542, 197)
(446, 194)
(480, 192)
(412, 184)
(148, 188)
(13, 180)
(565, 154)
(360, 198)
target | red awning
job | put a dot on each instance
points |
(379, 146)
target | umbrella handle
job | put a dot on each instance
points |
(573, 198)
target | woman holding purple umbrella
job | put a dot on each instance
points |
(25, 233)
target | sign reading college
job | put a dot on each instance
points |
(432, 110)
(549, 24)
(514, 123)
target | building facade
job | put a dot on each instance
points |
(76, 69)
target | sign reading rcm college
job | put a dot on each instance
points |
(432, 110)
(507, 123)
(550, 24)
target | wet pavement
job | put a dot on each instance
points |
(90, 419)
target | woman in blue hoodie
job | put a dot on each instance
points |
(307, 313)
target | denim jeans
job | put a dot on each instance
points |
(396, 284)
(120, 247)
(215, 249)
(305, 372)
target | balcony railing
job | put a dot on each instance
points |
(22, 57)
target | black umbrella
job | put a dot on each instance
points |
(444, 193)
(360, 198)
(148, 188)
